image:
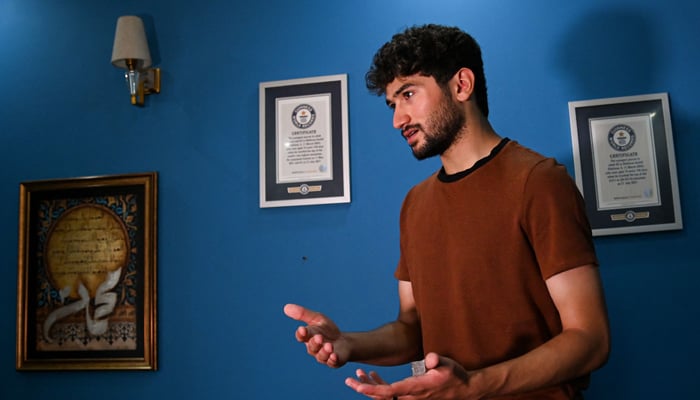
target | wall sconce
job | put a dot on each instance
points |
(130, 52)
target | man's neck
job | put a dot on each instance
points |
(476, 141)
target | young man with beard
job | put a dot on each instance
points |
(499, 289)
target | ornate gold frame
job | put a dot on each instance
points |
(86, 288)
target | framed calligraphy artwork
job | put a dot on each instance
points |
(625, 163)
(86, 291)
(304, 155)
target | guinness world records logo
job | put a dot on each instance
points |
(303, 116)
(621, 137)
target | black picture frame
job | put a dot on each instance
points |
(304, 145)
(625, 163)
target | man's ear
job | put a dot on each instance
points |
(464, 82)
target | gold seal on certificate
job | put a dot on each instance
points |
(303, 116)
(630, 216)
(304, 189)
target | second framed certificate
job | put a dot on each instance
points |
(625, 164)
(304, 155)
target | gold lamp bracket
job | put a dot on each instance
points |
(149, 83)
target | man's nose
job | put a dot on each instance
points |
(401, 118)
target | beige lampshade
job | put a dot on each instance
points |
(130, 43)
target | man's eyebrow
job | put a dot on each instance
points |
(398, 92)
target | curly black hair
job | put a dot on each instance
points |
(430, 50)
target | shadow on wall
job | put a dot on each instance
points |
(610, 53)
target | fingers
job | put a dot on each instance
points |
(293, 311)
(326, 355)
(305, 334)
(363, 377)
(333, 361)
(372, 378)
(302, 334)
(370, 385)
(316, 345)
(300, 313)
(319, 335)
(323, 352)
(432, 360)
(375, 377)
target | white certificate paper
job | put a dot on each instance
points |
(624, 161)
(304, 139)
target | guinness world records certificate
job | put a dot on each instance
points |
(304, 155)
(625, 163)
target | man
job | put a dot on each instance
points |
(498, 288)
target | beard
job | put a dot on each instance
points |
(442, 129)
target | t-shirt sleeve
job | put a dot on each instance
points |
(554, 219)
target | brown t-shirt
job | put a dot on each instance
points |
(477, 248)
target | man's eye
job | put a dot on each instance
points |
(407, 94)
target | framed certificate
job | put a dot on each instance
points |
(304, 155)
(625, 164)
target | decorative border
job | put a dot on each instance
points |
(304, 147)
(625, 163)
(86, 289)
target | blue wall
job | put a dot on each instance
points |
(227, 267)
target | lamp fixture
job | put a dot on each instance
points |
(130, 52)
